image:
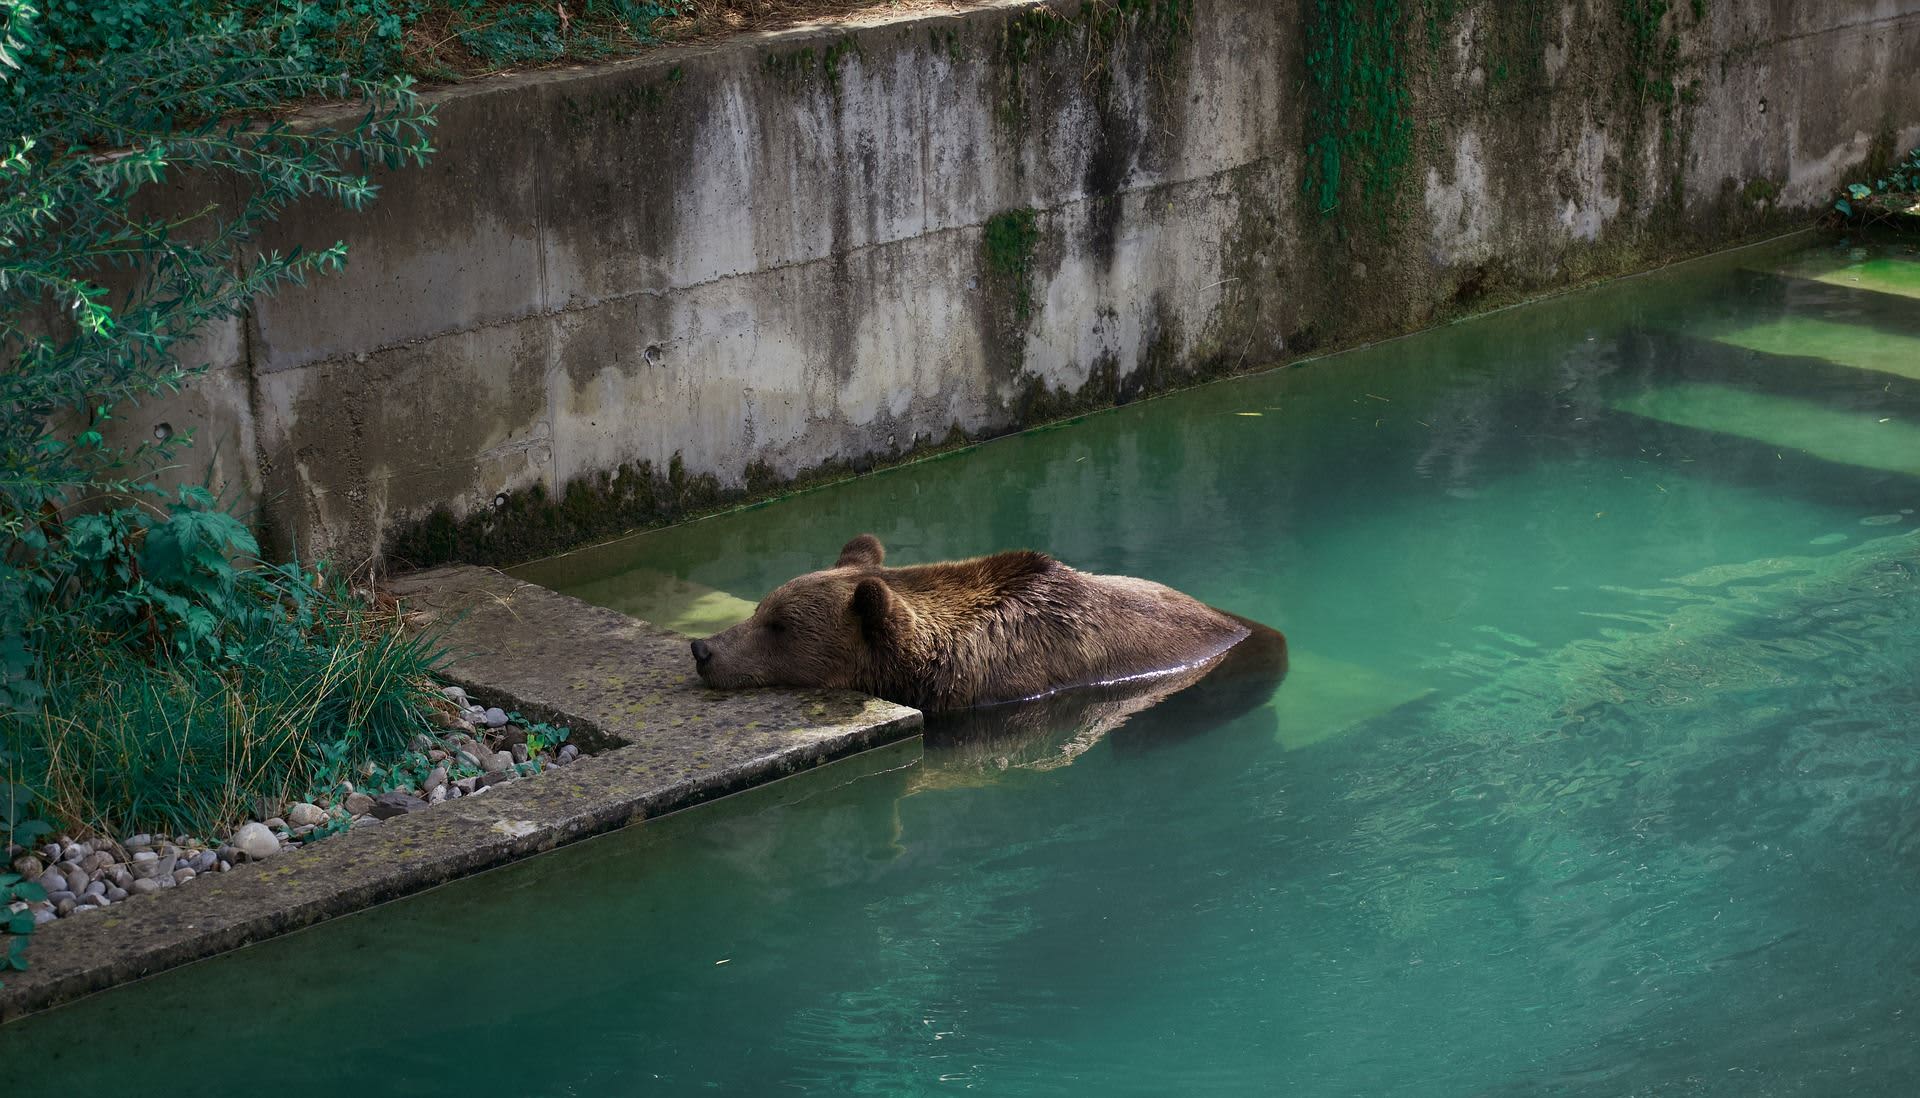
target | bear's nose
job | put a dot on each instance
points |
(701, 653)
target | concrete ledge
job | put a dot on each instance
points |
(665, 743)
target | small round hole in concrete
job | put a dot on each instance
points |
(654, 355)
(162, 431)
(499, 501)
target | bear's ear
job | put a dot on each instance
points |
(873, 606)
(864, 551)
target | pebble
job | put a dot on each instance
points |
(66, 906)
(568, 754)
(94, 888)
(496, 717)
(437, 794)
(277, 824)
(147, 864)
(364, 821)
(359, 803)
(306, 815)
(120, 876)
(437, 755)
(53, 880)
(29, 866)
(493, 762)
(495, 777)
(57, 896)
(229, 854)
(76, 881)
(465, 785)
(140, 841)
(436, 780)
(145, 885)
(519, 753)
(96, 861)
(225, 865)
(182, 876)
(456, 694)
(44, 915)
(256, 842)
(204, 861)
(116, 894)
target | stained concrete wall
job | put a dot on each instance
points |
(659, 282)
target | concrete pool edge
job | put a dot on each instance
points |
(663, 742)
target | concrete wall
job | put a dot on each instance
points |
(622, 291)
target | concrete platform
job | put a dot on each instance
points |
(663, 742)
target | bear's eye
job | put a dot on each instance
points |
(776, 626)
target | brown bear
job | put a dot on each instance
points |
(967, 633)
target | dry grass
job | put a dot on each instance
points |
(435, 49)
(709, 19)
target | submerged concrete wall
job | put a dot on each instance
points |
(622, 292)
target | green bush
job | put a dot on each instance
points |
(191, 689)
(369, 38)
(153, 672)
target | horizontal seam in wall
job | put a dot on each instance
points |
(1735, 52)
(1150, 190)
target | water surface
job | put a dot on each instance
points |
(1595, 775)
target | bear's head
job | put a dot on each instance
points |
(823, 629)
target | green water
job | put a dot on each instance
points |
(1596, 773)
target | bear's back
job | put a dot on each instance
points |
(1021, 625)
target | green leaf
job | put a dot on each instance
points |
(20, 923)
(30, 891)
(1859, 191)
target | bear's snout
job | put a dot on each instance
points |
(701, 653)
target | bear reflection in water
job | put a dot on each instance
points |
(1018, 659)
(967, 745)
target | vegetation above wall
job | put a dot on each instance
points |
(430, 40)
(1890, 195)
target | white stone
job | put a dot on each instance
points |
(256, 841)
(306, 815)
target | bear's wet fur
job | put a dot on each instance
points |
(960, 634)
